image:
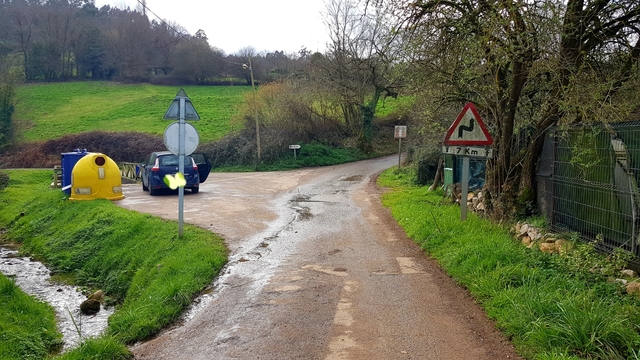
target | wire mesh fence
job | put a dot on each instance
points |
(587, 183)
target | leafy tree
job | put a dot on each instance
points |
(598, 55)
(90, 55)
(527, 65)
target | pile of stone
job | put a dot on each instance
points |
(475, 199)
(630, 281)
(531, 236)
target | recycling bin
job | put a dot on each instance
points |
(69, 160)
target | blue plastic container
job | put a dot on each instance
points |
(69, 160)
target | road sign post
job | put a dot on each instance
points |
(294, 148)
(180, 109)
(399, 133)
(467, 137)
(181, 168)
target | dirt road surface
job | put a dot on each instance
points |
(318, 270)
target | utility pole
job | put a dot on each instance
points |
(255, 108)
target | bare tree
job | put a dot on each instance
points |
(359, 64)
(23, 28)
(166, 40)
(58, 29)
(196, 61)
(130, 45)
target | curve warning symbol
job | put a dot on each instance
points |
(468, 129)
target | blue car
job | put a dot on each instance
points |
(161, 163)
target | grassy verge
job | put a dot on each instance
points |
(27, 326)
(137, 260)
(49, 111)
(309, 155)
(550, 306)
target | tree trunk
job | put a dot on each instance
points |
(366, 133)
(437, 178)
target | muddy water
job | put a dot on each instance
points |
(33, 279)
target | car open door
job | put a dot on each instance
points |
(204, 166)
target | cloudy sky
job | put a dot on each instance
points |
(266, 25)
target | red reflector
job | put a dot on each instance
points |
(100, 161)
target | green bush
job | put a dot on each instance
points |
(426, 172)
(4, 180)
(7, 100)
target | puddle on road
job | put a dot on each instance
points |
(354, 178)
(33, 278)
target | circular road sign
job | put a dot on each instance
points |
(172, 138)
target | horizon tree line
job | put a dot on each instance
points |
(60, 40)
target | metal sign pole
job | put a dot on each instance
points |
(400, 132)
(181, 165)
(465, 188)
(399, 151)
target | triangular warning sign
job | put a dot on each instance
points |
(468, 129)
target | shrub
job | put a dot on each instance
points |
(4, 180)
(426, 171)
(7, 99)
(120, 146)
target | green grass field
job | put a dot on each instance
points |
(551, 307)
(49, 111)
(136, 259)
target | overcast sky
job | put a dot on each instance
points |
(284, 25)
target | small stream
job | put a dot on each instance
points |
(33, 278)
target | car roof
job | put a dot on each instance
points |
(163, 153)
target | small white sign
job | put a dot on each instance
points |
(468, 151)
(294, 147)
(400, 132)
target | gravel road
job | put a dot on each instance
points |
(318, 270)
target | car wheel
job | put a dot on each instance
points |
(195, 190)
(144, 188)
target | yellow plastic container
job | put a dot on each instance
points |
(96, 176)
